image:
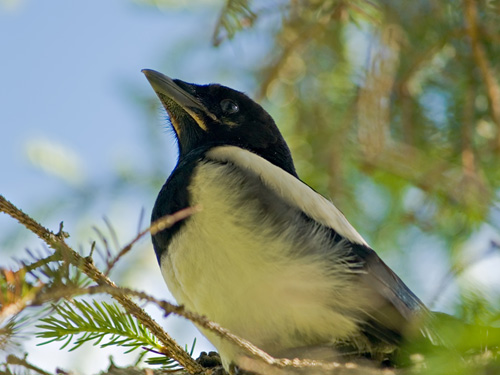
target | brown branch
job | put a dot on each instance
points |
(248, 347)
(268, 364)
(57, 242)
(156, 227)
(28, 267)
(257, 354)
(492, 88)
(13, 360)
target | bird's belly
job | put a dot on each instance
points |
(228, 263)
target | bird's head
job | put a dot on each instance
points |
(206, 116)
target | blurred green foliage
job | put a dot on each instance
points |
(389, 100)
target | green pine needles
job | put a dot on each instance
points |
(96, 322)
(105, 324)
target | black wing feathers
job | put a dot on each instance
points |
(396, 307)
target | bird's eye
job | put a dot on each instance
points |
(229, 107)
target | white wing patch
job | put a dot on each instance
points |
(291, 189)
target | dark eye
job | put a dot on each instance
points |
(229, 107)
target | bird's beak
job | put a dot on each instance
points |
(172, 95)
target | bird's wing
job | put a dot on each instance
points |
(292, 190)
(396, 304)
(399, 310)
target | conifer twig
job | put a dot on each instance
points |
(13, 360)
(57, 242)
(200, 320)
(156, 227)
(170, 347)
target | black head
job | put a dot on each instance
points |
(205, 116)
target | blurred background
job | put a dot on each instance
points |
(391, 109)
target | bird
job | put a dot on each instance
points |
(266, 256)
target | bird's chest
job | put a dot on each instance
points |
(234, 262)
(222, 258)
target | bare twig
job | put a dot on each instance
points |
(246, 345)
(13, 360)
(202, 321)
(57, 242)
(28, 267)
(123, 296)
(112, 232)
(157, 226)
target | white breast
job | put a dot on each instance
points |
(227, 265)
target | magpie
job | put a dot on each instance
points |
(266, 257)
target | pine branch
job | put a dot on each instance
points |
(62, 329)
(165, 362)
(234, 16)
(95, 322)
(257, 359)
(155, 228)
(13, 360)
(57, 242)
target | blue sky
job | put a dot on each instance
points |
(64, 67)
(68, 69)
